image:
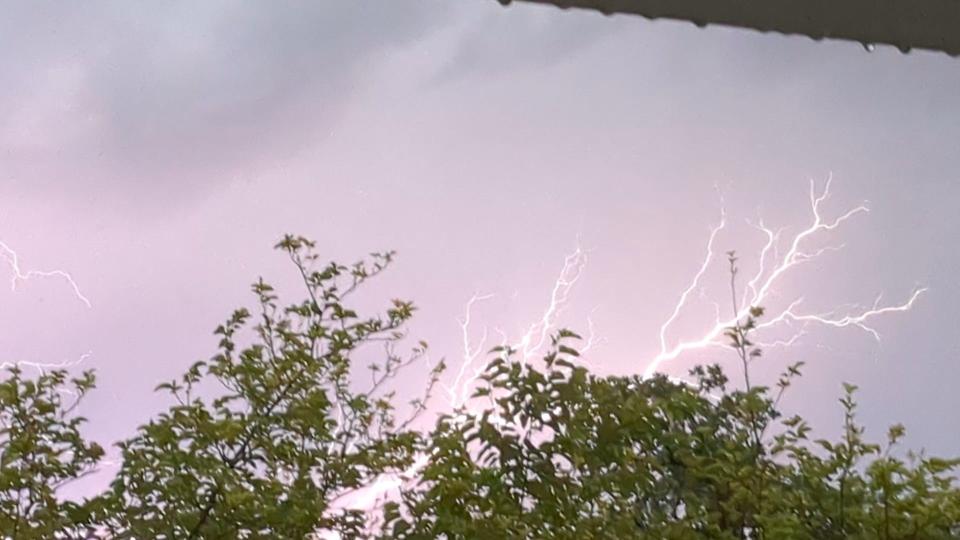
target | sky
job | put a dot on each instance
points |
(157, 152)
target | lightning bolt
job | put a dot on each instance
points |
(42, 367)
(539, 333)
(470, 367)
(13, 261)
(531, 342)
(772, 268)
(694, 284)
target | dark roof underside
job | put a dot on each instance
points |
(905, 24)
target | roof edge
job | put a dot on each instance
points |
(905, 24)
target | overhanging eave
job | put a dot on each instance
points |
(905, 24)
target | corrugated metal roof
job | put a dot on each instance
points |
(905, 24)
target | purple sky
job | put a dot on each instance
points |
(157, 151)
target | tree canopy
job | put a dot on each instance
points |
(268, 436)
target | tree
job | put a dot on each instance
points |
(265, 438)
(287, 433)
(565, 454)
(41, 450)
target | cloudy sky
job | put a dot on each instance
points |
(157, 151)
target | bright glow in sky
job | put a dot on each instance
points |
(155, 152)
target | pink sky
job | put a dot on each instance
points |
(157, 153)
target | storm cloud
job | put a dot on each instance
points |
(182, 95)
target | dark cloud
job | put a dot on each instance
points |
(502, 40)
(162, 92)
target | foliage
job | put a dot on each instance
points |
(266, 438)
(287, 435)
(565, 454)
(41, 449)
